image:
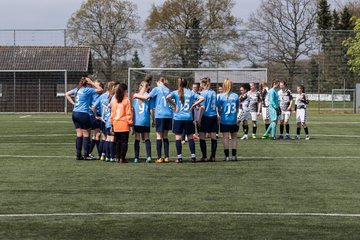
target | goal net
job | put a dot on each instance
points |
(238, 76)
(343, 99)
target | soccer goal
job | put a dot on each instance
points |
(343, 99)
(238, 76)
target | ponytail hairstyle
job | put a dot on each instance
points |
(164, 81)
(120, 92)
(112, 85)
(262, 85)
(82, 83)
(182, 83)
(144, 85)
(227, 85)
(206, 81)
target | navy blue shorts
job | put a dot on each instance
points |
(108, 132)
(95, 123)
(81, 120)
(141, 129)
(102, 127)
(163, 124)
(229, 128)
(209, 125)
(183, 127)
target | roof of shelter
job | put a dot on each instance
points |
(74, 59)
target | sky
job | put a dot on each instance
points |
(54, 14)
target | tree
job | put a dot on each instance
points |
(324, 21)
(353, 51)
(313, 75)
(283, 31)
(136, 62)
(105, 26)
(182, 35)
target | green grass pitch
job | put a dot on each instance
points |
(38, 175)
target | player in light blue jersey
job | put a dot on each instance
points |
(228, 107)
(274, 109)
(185, 101)
(163, 117)
(95, 121)
(141, 119)
(108, 147)
(209, 121)
(81, 114)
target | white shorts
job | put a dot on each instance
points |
(265, 113)
(285, 115)
(301, 115)
(243, 115)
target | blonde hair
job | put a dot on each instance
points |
(262, 85)
(206, 81)
(227, 85)
(142, 89)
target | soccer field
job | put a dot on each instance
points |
(277, 190)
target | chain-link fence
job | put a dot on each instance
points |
(320, 63)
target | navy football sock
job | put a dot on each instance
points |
(213, 147)
(148, 147)
(158, 147)
(166, 147)
(86, 146)
(79, 142)
(137, 148)
(192, 146)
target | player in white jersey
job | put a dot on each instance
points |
(285, 99)
(244, 111)
(301, 103)
(264, 89)
(254, 106)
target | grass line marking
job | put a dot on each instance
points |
(30, 215)
(26, 116)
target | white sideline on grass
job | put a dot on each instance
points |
(183, 213)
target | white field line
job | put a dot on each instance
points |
(26, 116)
(320, 123)
(30, 215)
(219, 160)
(37, 135)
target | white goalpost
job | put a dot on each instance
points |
(217, 75)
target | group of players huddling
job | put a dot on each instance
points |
(107, 111)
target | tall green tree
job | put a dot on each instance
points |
(353, 51)
(324, 21)
(192, 33)
(105, 26)
(135, 61)
(313, 76)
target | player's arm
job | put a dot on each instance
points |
(69, 98)
(98, 89)
(200, 100)
(142, 97)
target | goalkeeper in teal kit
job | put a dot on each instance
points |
(274, 109)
